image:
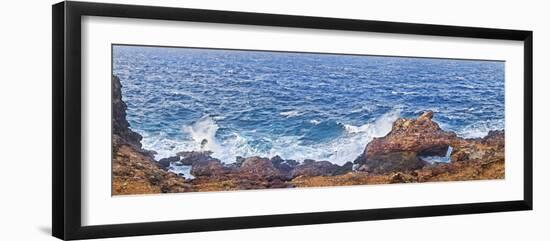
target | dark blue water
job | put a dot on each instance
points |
(324, 107)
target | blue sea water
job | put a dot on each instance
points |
(297, 105)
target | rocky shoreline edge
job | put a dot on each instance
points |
(402, 156)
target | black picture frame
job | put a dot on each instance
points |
(67, 136)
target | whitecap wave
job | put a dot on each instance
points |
(404, 93)
(356, 129)
(481, 128)
(315, 122)
(203, 133)
(162, 144)
(380, 127)
(364, 108)
(342, 149)
(290, 113)
(339, 150)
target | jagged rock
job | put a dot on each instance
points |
(278, 183)
(308, 161)
(284, 166)
(239, 160)
(486, 149)
(277, 160)
(211, 167)
(135, 173)
(122, 134)
(362, 168)
(421, 135)
(191, 157)
(347, 167)
(393, 161)
(257, 167)
(454, 171)
(317, 168)
(407, 141)
(401, 178)
(165, 162)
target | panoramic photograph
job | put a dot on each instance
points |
(199, 120)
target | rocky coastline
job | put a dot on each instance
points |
(402, 156)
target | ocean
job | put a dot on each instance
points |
(297, 105)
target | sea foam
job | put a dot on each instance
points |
(339, 150)
(481, 128)
(291, 113)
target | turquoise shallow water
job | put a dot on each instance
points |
(298, 106)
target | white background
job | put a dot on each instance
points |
(25, 97)
(101, 208)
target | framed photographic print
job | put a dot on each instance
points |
(170, 120)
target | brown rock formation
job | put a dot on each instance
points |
(462, 171)
(209, 168)
(259, 168)
(136, 173)
(489, 148)
(165, 162)
(190, 157)
(134, 170)
(402, 148)
(250, 173)
(454, 171)
(121, 128)
(284, 166)
(320, 168)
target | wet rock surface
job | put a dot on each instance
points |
(259, 168)
(320, 168)
(191, 157)
(122, 134)
(284, 166)
(208, 168)
(488, 148)
(402, 148)
(165, 162)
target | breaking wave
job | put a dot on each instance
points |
(291, 113)
(481, 128)
(202, 135)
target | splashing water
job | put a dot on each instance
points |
(339, 150)
(203, 133)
